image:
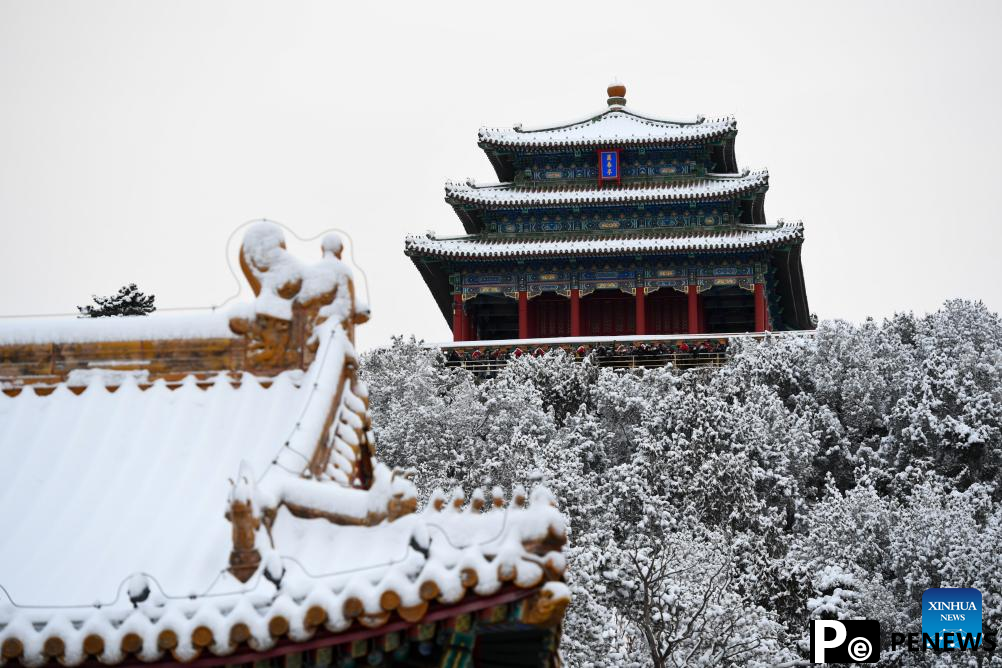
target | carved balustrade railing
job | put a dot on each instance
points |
(680, 351)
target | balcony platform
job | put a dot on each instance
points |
(682, 351)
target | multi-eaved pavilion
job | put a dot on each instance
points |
(619, 224)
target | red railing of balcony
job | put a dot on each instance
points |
(679, 350)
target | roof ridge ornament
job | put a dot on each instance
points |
(617, 95)
(291, 299)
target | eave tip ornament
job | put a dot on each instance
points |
(617, 95)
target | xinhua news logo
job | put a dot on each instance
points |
(950, 616)
(848, 641)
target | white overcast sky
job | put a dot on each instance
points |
(136, 136)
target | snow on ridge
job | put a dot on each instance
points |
(269, 262)
(506, 194)
(275, 273)
(746, 236)
(158, 326)
(619, 125)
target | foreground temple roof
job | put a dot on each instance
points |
(158, 326)
(149, 514)
(507, 195)
(745, 237)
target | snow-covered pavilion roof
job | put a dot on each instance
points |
(507, 195)
(735, 238)
(121, 501)
(618, 125)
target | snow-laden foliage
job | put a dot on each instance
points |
(128, 301)
(715, 513)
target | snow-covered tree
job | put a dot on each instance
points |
(680, 590)
(128, 301)
(713, 514)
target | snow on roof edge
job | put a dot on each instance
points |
(617, 124)
(157, 326)
(507, 194)
(735, 238)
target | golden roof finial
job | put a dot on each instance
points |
(617, 94)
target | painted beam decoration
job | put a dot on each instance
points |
(556, 281)
(726, 276)
(660, 277)
(637, 163)
(599, 219)
(561, 278)
(616, 279)
(473, 284)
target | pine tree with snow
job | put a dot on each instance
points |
(713, 514)
(128, 301)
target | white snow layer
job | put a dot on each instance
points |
(733, 238)
(272, 265)
(617, 125)
(102, 485)
(160, 325)
(508, 195)
(275, 267)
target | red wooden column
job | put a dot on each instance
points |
(641, 317)
(693, 310)
(469, 334)
(523, 314)
(761, 318)
(575, 312)
(458, 319)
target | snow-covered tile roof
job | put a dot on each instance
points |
(744, 237)
(143, 519)
(158, 326)
(616, 126)
(107, 494)
(102, 485)
(506, 195)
